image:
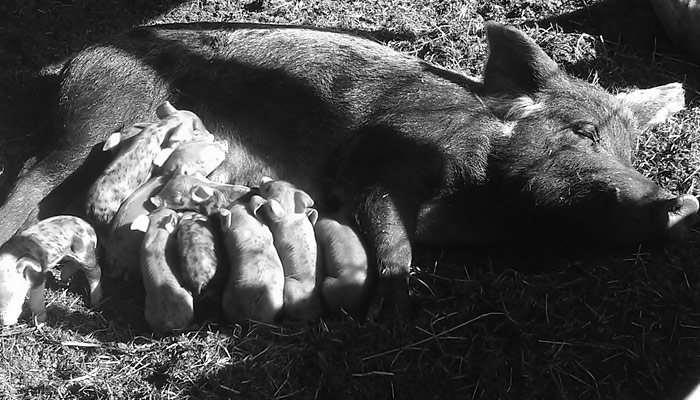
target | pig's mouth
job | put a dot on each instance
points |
(661, 219)
(679, 211)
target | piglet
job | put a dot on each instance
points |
(169, 306)
(345, 284)
(198, 258)
(255, 286)
(294, 239)
(195, 158)
(191, 192)
(121, 253)
(28, 255)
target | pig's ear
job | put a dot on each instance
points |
(141, 223)
(654, 105)
(201, 193)
(225, 218)
(312, 214)
(170, 223)
(516, 64)
(112, 141)
(165, 109)
(276, 210)
(31, 270)
(163, 156)
(156, 201)
(255, 204)
(302, 201)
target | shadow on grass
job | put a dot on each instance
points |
(634, 50)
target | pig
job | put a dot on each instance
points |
(198, 258)
(29, 255)
(417, 153)
(188, 192)
(255, 286)
(345, 285)
(195, 157)
(121, 251)
(169, 306)
(294, 239)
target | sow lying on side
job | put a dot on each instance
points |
(416, 153)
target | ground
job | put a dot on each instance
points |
(487, 323)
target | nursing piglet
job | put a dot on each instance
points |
(295, 242)
(343, 257)
(169, 306)
(255, 287)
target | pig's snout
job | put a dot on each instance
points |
(677, 211)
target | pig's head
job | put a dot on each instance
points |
(289, 197)
(190, 128)
(17, 275)
(564, 157)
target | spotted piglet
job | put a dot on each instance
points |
(169, 306)
(28, 255)
(345, 284)
(255, 286)
(197, 244)
(285, 211)
(133, 164)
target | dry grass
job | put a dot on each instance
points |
(488, 323)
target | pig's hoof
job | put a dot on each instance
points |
(391, 304)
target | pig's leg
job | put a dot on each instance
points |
(37, 303)
(387, 237)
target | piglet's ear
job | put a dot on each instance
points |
(225, 219)
(31, 270)
(140, 223)
(165, 109)
(302, 201)
(654, 105)
(112, 141)
(312, 214)
(516, 64)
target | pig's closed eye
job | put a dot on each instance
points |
(587, 130)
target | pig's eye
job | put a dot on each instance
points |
(587, 130)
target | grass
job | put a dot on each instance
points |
(487, 323)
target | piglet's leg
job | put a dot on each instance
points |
(85, 257)
(37, 300)
(93, 272)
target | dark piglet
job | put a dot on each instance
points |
(198, 256)
(418, 154)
